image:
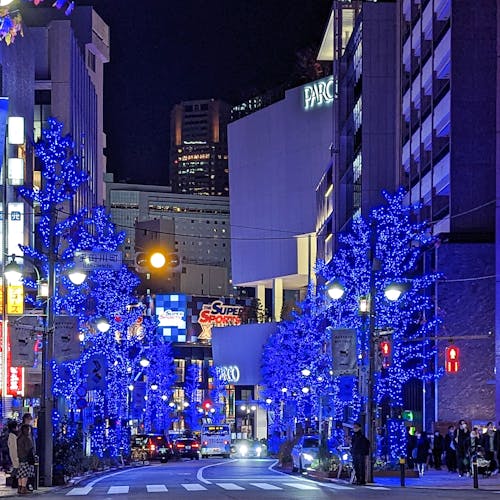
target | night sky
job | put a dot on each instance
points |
(166, 51)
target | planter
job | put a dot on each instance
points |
(394, 473)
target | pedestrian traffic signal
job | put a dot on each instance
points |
(385, 352)
(452, 363)
(207, 405)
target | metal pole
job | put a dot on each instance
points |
(370, 408)
(47, 403)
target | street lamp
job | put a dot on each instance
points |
(367, 306)
(102, 324)
(13, 272)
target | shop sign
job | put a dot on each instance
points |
(229, 374)
(320, 93)
(15, 299)
(218, 314)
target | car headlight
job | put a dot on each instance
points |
(258, 450)
(308, 457)
(243, 450)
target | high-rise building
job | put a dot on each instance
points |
(198, 148)
(364, 139)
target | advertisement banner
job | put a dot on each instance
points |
(23, 333)
(15, 375)
(344, 353)
(66, 342)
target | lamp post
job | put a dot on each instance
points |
(392, 292)
(13, 273)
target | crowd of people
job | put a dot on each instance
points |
(18, 453)
(457, 449)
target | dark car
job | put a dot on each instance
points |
(151, 447)
(187, 448)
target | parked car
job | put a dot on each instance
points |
(151, 447)
(305, 452)
(248, 448)
(187, 448)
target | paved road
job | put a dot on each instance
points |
(232, 479)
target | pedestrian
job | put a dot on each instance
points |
(488, 444)
(360, 449)
(28, 420)
(411, 445)
(421, 452)
(430, 455)
(462, 448)
(438, 449)
(25, 453)
(12, 447)
(4, 448)
(450, 449)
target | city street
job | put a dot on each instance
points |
(247, 479)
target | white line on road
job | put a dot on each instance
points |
(193, 487)
(199, 474)
(301, 486)
(79, 491)
(266, 486)
(156, 488)
(95, 481)
(117, 490)
(334, 486)
(229, 486)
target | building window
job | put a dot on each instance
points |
(91, 60)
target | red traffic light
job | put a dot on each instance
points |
(452, 364)
(385, 348)
(207, 405)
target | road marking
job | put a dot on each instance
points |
(199, 474)
(193, 487)
(79, 491)
(377, 488)
(301, 486)
(334, 486)
(266, 486)
(116, 490)
(156, 488)
(95, 481)
(230, 486)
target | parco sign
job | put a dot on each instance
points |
(229, 374)
(319, 93)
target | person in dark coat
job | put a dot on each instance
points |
(421, 453)
(462, 443)
(450, 449)
(360, 449)
(25, 453)
(488, 443)
(438, 449)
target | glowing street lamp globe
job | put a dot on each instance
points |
(158, 260)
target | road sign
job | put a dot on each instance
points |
(88, 260)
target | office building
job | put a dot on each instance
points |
(198, 148)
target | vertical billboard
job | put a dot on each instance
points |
(172, 316)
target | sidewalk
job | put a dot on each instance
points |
(7, 491)
(441, 479)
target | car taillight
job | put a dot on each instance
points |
(205, 442)
(180, 445)
(152, 447)
(226, 442)
(196, 445)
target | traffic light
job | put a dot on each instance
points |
(385, 353)
(452, 363)
(207, 405)
(153, 261)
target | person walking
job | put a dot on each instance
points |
(462, 443)
(360, 449)
(25, 452)
(438, 449)
(12, 447)
(450, 449)
(422, 452)
(488, 443)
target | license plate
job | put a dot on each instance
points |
(188, 447)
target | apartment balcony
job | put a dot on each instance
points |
(442, 8)
(442, 116)
(427, 21)
(442, 57)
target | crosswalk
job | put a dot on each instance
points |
(228, 486)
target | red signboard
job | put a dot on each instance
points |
(15, 374)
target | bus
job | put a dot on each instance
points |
(215, 440)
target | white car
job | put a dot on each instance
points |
(305, 452)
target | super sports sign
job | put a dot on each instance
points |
(218, 314)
